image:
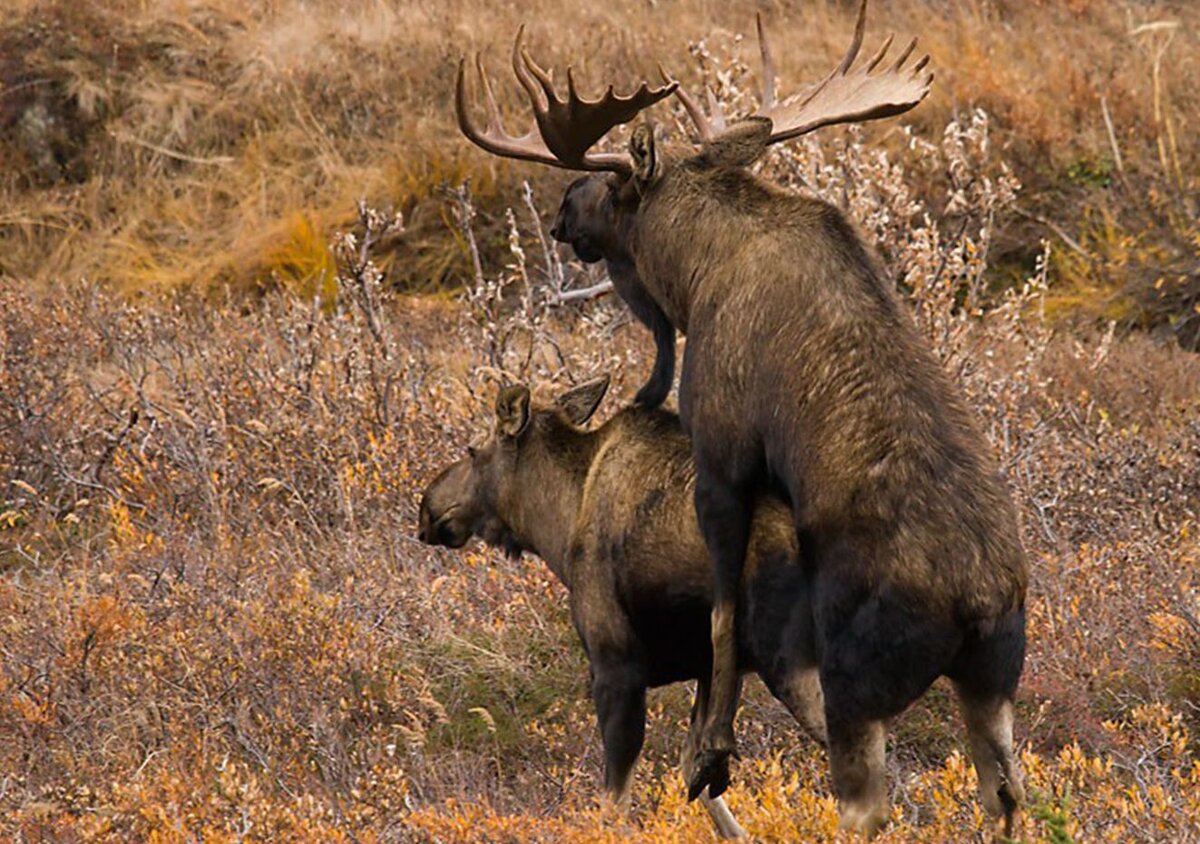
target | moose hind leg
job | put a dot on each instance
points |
(990, 732)
(857, 760)
(724, 513)
(801, 693)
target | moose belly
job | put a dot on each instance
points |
(675, 632)
(672, 626)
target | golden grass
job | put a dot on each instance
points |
(204, 130)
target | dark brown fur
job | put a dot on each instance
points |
(585, 220)
(804, 375)
(610, 511)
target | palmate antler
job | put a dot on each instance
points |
(844, 96)
(564, 131)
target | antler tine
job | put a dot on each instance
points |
(768, 64)
(522, 73)
(542, 77)
(860, 28)
(845, 95)
(495, 121)
(703, 127)
(460, 101)
(715, 109)
(572, 92)
(708, 126)
(905, 53)
(880, 53)
(564, 130)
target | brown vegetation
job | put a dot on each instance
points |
(215, 620)
(218, 143)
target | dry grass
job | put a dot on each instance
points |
(169, 144)
(218, 627)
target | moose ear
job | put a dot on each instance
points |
(579, 403)
(645, 156)
(740, 145)
(512, 411)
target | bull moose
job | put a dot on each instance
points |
(610, 512)
(804, 375)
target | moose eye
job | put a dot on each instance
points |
(472, 452)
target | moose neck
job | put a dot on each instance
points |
(542, 515)
(689, 222)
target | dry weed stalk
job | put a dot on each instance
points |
(517, 317)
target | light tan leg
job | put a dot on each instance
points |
(723, 819)
(857, 756)
(621, 800)
(724, 508)
(804, 698)
(718, 728)
(990, 732)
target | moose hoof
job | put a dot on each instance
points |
(710, 769)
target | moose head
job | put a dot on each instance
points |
(597, 210)
(502, 490)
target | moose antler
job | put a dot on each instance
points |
(844, 96)
(564, 131)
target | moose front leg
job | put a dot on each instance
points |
(723, 819)
(655, 391)
(627, 283)
(619, 693)
(724, 512)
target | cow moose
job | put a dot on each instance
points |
(610, 512)
(804, 375)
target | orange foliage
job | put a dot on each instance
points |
(216, 625)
